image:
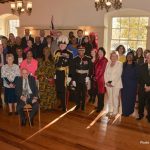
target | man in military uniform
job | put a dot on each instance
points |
(63, 60)
(82, 70)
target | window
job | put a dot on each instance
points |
(129, 31)
(12, 26)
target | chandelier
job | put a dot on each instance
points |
(107, 4)
(21, 6)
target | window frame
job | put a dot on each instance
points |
(129, 28)
(16, 24)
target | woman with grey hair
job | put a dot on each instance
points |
(113, 83)
(9, 73)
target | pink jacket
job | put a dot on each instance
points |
(32, 67)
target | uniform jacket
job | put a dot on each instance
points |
(84, 64)
(63, 58)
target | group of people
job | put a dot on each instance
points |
(58, 67)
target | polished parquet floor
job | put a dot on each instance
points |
(74, 130)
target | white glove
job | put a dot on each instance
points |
(68, 80)
(55, 76)
(74, 83)
(87, 79)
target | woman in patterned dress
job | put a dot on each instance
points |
(45, 75)
(9, 74)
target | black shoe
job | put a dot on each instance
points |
(16, 113)
(32, 124)
(60, 106)
(82, 107)
(125, 115)
(90, 100)
(10, 114)
(140, 118)
(93, 101)
(98, 110)
(23, 122)
(148, 118)
(64, 109)
(77, 107)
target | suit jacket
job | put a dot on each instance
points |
(114, 74)
(38, 50)
(32, 84)
(16, 58)
(24, 41)
(82, 41)
(144, 77)
(44, 42)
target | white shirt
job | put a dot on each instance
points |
(148, 66)
(20, 61)
(41, 39)
(49, 45)
(29, 90)
(27, 38)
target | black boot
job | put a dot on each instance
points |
(64, 109)
(140, 117)
(77, 107)
(23, 122)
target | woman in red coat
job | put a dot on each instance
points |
(99, 69)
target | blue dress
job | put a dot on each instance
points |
(73, 50)
(128, 93)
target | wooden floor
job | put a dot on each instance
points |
(75, 130)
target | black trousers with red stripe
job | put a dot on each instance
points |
(81, 91)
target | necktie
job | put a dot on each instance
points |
(79, 41)
(25, 93)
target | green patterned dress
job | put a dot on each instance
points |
(46, 90)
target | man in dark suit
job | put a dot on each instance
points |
(80, 38)
(42, 37)
(144, 89)
(2, 62)
(26, 38)
(38, 48)
(27, 93)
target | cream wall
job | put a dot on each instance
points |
(70, 12)
(74, 14)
